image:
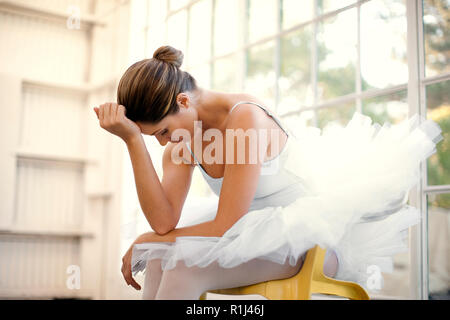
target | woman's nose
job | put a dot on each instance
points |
(162, 141)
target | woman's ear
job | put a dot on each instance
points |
(183, 100)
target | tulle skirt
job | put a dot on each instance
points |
(358, 179)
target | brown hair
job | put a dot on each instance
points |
(148, 88)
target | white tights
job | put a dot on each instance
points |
(188, 283)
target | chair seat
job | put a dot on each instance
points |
(309, 280)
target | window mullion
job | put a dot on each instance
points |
(278, 54)
(423, 165)
(166, 24)
(212, 43)
(358, 58)
(418, 245)
(314, 66)
(188, 31)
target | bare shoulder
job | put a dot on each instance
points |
(249, 97)
(248, 114)
(251, 119)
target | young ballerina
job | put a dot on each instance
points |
(344, 190)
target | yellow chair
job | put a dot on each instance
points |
(309, 280)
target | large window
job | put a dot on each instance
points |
(318, 61)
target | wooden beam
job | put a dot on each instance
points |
(39, 11)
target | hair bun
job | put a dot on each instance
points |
(170, 55)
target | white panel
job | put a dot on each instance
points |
(52, 52)
(122, 31)
(61, 5)
(49, 195)
(52, 121)
(9, 134)
(93, 249)
(98, 144)
(103, 8)
(110, 45)
(104, 51)
(36, 266)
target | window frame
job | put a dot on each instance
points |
(416, 96)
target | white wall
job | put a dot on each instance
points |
(61, 173)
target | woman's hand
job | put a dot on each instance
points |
(126, 260)
(112, 119)
(126, 268)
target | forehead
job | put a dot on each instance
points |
(167, 120)
(150, 127)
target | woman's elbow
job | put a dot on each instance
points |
(163, 225)
(162, 229)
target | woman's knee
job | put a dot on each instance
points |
(276, 271)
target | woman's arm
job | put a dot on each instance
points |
(205, 229)
(238, 187)
(154, 203)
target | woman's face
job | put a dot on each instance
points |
(163, 130)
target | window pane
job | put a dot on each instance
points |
(295, 12)
(398, 283)
(335, 116)
(439, 245)
(438, 109)
(336, 45)
(157, 13)
(383, 44)
(295, 74)
(226, 72)
(138, 14)
(391, 108)
(137, 46)
(156, 33)
(200, 32)
(177, 35)
(262, 19)
(155, 39)
(436, 24)
(304, 118)
(176, 4)
(202, 74)
(324, 6)
(226, 30)
(260, 79)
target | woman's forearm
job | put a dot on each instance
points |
(154, 203)
(205, 229)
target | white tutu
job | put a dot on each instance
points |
(358, 178)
